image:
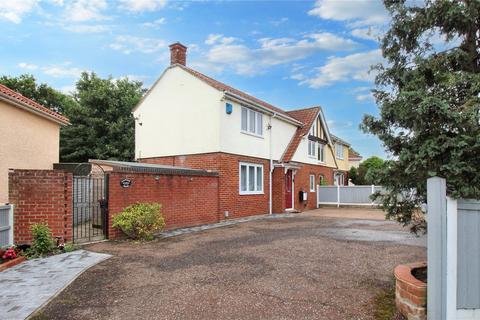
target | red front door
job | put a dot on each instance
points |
(288, 190)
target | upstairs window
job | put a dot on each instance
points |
(252, 122)
(251, 178)
(339, 151)
(321, 152)
(311, 148)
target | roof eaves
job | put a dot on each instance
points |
(59, 119)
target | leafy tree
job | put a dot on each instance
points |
(100, 113)
(368, 171)
(429, 103)
(102, 123)
(42, 93)
(353, 175)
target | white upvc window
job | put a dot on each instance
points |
(321, 152)
(311, 149)
(339, 150)
(252, 122)
(251, 178)
(312, 183)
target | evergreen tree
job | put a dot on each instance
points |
(429, 103)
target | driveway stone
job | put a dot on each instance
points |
(29, 285)
(323, 264)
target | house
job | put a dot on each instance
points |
(354, 158)
(268, 159)
(30, 136)
(341, 148)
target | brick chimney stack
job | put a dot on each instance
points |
(178, 54)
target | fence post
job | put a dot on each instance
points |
(451, 260)
(338, 195)
(437, 248)
(373, 191)
(10, 222)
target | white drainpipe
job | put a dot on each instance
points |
(270, 175)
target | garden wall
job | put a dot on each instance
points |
(186, 200)
(41, 196)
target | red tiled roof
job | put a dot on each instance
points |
(5, 91)
(306, 116)
(223, 87)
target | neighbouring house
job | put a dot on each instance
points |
(354, 158)
(341, 148)
(268, 159)
(30, 136)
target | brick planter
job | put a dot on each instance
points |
(12, 263)
(410, 293)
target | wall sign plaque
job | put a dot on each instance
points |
(125, 183)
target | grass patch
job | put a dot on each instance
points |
(384, 304)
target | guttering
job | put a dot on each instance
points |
(34, 110)
(259, 107)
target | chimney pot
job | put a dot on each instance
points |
(178, 54)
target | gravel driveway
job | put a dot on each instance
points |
(322, 264)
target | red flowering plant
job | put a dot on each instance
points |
(9, 254)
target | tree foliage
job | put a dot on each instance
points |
(102, 122)
(428, 95)
(99, 110)
(45, 95)
(368, 171)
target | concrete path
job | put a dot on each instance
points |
(29, 285)
(177, 232)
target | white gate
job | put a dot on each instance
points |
(346, 195)
(6, 225)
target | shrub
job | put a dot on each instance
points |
(140, 221)
(42, 240)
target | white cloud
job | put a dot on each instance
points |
(27, 66)
(69, 89)
(86, 10)
(129, 44)
(280, 21)
(333, 124)
(137, 6)
(230, 52)
(354, 67)
(84, 28)
(14, 10)
(357, 12)
(62, 71)
(369, 33)
(155, 24)
(218, 38)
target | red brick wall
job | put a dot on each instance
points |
(41, 196)
(186, 200)
(302, 183)
(227, 165)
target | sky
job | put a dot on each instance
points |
(293, 54)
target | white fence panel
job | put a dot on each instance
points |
(6, 225)
(346, 195)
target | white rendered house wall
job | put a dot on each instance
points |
(178, 116)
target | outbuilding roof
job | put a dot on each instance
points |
(23, 102)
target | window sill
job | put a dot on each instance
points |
(312, 157)
(340, 158)
(250, 193)
(252, 134)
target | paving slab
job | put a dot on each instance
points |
(31, 284)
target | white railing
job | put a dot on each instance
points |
(347, 195)
(6, 225)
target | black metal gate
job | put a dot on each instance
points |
(90, 203)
